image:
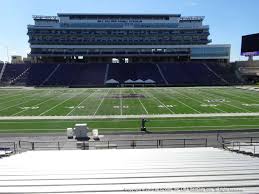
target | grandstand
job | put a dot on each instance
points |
(99, 51)
(179, 170)
(82, 50)
(81, 75)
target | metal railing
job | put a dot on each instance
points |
(8, 148)
(27, 145)
(246, 145)
(114, 144)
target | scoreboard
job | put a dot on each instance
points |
(250, 45)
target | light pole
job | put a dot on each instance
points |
(7, 51)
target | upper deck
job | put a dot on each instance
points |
(134, 21)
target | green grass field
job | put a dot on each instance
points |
(124, 102)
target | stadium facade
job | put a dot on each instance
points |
(125, 38)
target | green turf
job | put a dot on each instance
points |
(75, 102)
(127, 125)
(111, 101)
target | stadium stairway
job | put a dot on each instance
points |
(106, 73)
(216, 74)
(161, 73)
(12, 71)
(21, 79)
(38, 73)
(49, 76)
(67, 75)
(2, 67)
(201, 74)
(227, 72)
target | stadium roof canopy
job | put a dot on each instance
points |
(129, 81)
(112, 81)
(124, 171)
(150, 81)
(115, 14)
(139, 81)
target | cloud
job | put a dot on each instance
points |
(191, 3)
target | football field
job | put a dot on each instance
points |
(196, 107)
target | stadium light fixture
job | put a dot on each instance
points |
(7, 50)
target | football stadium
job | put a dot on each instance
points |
(126, 67)
(121, 103)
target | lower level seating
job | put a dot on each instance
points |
(76, 75)
(227, 72)
(66, 74)
(12, 71)
(123, 72)
(198, 74)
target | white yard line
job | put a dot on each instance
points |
(140, 102)
(59, 104)
(40, 102)
(81, 102)
(101, 103)
(200, 102)
(182, 102)
(15, 98)
(35, 104)
(8, 95)
(120, 102)
(217, 96)
(90, 117)
(246, 98)
(21, 102)
(150, 94)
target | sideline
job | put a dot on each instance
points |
(148, 116)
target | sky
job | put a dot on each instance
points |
(228, 19)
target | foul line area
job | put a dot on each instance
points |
(101, 117)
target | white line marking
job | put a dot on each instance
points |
(120, 102)
(91, 117)
(246, 98)
(36, 104)
(21, 102)
(140, 102)
(200, 102)
(81, 102)
(8, 95)
(136, 119)
(159, 101)
(101, 102)
(215, 95)
(47, 93)
(15, 98)
(182, 102)
(59, 104)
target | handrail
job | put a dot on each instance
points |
(8, 146)
(120, 143)
(241, 138)
(232, 144)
